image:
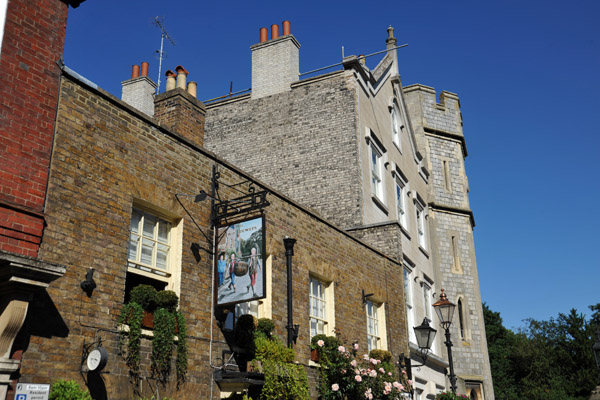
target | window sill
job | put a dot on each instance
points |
(425, 253)
(397, 146)
(404, 231)
(145, 332)
(379, 204)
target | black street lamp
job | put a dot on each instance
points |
(425, 335)
(445, 310)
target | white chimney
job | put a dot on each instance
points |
(138, 91)
(275, 62)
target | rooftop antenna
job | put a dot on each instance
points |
(159, 22)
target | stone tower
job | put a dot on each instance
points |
(438, 125)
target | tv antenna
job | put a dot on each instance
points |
(159, 22)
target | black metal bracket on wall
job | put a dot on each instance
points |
(238, 207)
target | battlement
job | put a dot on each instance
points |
(430, 115)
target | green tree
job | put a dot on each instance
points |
(545, 360)
(500, 342)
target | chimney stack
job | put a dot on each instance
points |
(178, 110)
(138, 91)
(275, 62)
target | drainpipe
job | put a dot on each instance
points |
(291, 328)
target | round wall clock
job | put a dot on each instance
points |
(97, 358)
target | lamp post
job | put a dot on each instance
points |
(445, 310)
(425, 335)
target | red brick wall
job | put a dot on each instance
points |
(33, 41)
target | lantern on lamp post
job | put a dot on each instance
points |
(425, 335)
(445, 311)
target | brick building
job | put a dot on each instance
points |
(382, 161)
(106, 166)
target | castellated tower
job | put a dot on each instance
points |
(438, 127)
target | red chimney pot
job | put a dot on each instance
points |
(274, 31)
(286, 28)
(264, 32)
(179, 69)
(135, 71)
(144, 69)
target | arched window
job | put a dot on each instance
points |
(396, 126)
(461, 320)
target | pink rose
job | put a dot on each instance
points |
(335, 387)
(355, 346)
(320, 343)
(353, 363)
(342, 349)
(357, 378)
(373, 374)
(389, 373)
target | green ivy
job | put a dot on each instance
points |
(162, 344)
(166, 319)
(182, 349)
(132, 315)
(68, 390)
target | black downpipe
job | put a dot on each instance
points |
(291, 328)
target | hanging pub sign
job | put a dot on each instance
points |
(240, 262)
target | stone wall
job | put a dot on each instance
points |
(292, 141)
(108, 155)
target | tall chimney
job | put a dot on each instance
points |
(275, 62)
(178, 109)
(138, 91)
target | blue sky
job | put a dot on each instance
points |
(527, 73)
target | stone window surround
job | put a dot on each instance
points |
(171, 277)
(327, 297)
(377, 316)
(421, 216)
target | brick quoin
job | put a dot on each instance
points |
(29, 79)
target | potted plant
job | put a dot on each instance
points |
(159, 311)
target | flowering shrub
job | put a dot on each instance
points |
(347, 375)
(450, 396)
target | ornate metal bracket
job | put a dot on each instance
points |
(237, 207)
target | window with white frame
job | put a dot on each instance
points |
(396, 130)
(153, 254)
(427, 300)
(320, 307)
(375, 326)
(408, 296)
(401, 201)
(376, 172)
(421, 226)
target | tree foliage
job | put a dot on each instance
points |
(544, 360)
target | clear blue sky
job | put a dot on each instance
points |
(527, 73)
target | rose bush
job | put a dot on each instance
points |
(347, 375)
